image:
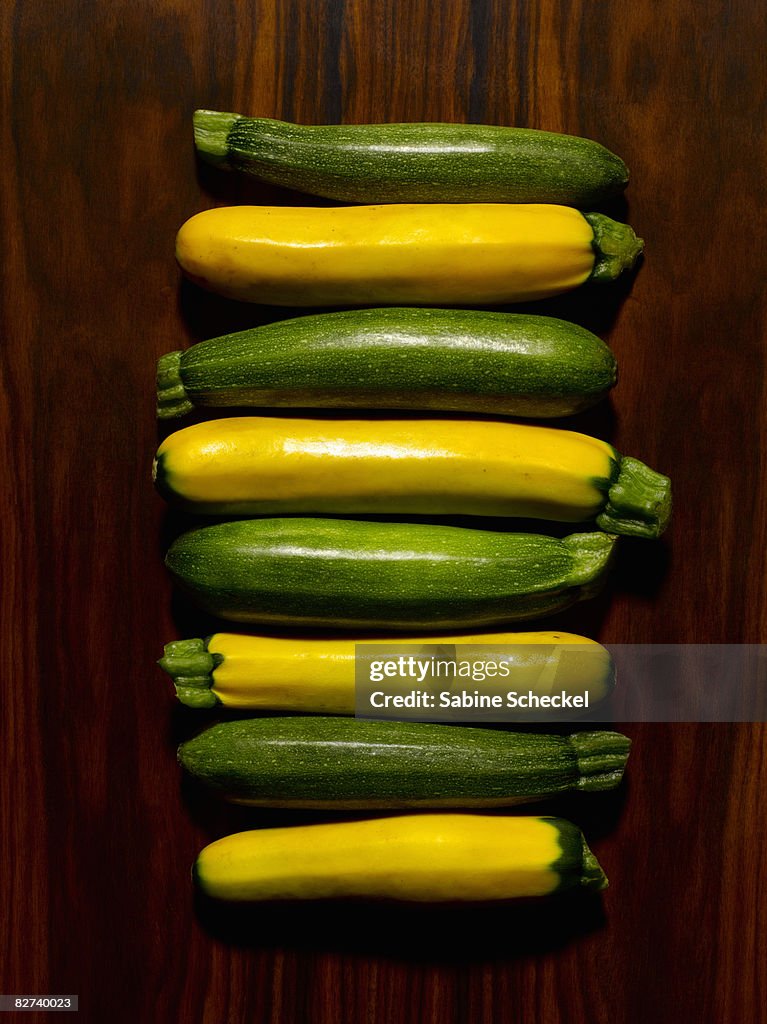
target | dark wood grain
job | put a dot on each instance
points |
(97, 833)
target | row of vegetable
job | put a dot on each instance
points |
(465, 214)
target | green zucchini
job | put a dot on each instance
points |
(351, 763)
(511, 364)
(358, 574)
(414, 163)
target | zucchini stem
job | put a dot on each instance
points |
(638, 503)
(172, 399)
(601, 758)
(211, 135)
(190, 665)
(591, 556)
(616, 247)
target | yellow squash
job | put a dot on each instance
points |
(462, 253)
(310, 674)
(279, 465)
(423, 858)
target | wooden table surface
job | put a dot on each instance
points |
(97, 832)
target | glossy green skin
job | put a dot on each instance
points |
(427, 163)
(346, 762)
(356, 574)
(358, 763)
(432, 359)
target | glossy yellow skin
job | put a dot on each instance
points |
(318, 675)
(424, 857)
(457, 253)
(268, 465)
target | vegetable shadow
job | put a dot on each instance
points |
(427, 934)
